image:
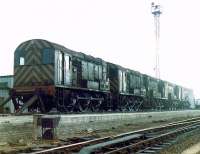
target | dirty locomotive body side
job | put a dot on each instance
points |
(48, 75)
(133, 91)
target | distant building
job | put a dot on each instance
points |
(6, 83)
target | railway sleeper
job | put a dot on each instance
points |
(108, 144)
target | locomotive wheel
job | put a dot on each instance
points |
(61, 108)
(128, 105)
(72, 105)
(96, 106)
(60, 105)
(85, 106)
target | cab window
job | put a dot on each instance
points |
(21, 61)
(47, 56)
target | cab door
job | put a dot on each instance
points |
(67, 69)
(58, 67)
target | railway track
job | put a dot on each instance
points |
(142, 141)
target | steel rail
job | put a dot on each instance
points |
(74, 146)
(80, 145)
(153, 141)
(116, 144)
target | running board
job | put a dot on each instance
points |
(27, 104)
(5, 102)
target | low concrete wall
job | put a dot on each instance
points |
(74, 125)
(84, 118)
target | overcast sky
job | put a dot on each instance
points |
(118, 31)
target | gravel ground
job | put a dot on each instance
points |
(193, 149)
(183, 142)
(16, 131)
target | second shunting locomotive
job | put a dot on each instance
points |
(48, 76)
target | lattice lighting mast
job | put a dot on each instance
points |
(156, 11)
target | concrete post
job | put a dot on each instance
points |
(36, 125)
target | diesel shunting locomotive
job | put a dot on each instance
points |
(49, 76)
